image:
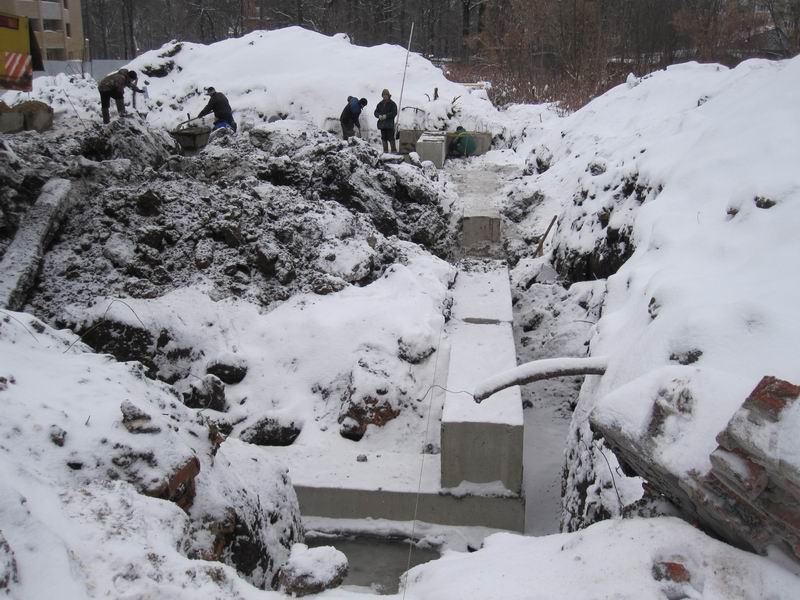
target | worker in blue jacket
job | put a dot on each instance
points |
(350, 116)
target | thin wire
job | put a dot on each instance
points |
(85, 126)
(103, 318)
(422, 460)
(610, 470)
(10, 316)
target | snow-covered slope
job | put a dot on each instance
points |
(84, 440)
(690, 175)
(642, 559)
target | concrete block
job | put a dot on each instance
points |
(482, 453)
(38, 120)
(408, 140)
(12, 122)
(22, 258)
(481, 223)
(432, 146)
(481, 443)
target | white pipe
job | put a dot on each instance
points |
(538, 370)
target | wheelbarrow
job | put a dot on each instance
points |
(189, 137)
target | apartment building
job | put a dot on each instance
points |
(58, 25)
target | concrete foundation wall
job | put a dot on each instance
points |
(473, 511)
(409, 138)
(477, 230)
(482, 453)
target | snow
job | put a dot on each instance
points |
(305, 355)
(73, 476)
(317, 564)
(720, 280)
(482, 295)
(612, 559)
(290, 72)
(537, 370)
(693, 169)
(477, 351)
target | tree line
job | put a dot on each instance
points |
(531, 50)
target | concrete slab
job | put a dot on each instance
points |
(478, 352)
(483, 294)
(314, 466)
(432, 146)
(472, 511)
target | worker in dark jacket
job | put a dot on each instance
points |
(463, 144)
(219, 105)
(386, 112)
(113, 86)
(350, 116)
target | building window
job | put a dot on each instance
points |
(69, 30)
(66, 4)
(35, 24)
(51, 24)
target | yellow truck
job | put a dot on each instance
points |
(19, 53)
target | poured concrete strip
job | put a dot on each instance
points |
(20, 264)
(481, 443)
(482, 295)
(499, 512)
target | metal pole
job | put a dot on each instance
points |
(403, 86)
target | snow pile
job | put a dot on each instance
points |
(325, 364)
(312, 570)
(83, 437)
(281, 210)
(637, 558)
(286, 73)
(690, 176)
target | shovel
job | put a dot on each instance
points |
(187, 121)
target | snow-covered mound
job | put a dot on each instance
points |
(84, 440)
(285, 208)
(316, 364)
(304, 75)
(681, 187)
(286, 73)
(639, 558)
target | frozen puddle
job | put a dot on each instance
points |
(376, 563)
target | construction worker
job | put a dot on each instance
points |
(113, 86)
(350, 116)
(463, 144)
(219, 105)
(386, 112)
